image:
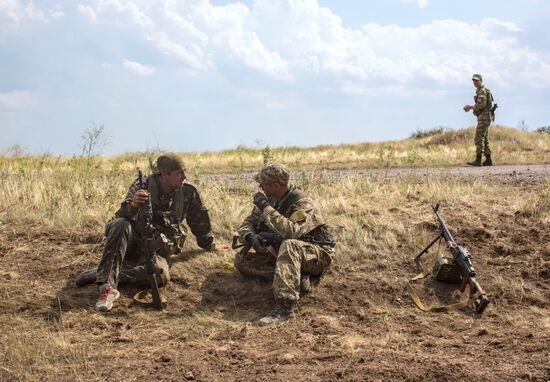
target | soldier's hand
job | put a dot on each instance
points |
(467, 108)
(256, 242)
(139, 198)
(219, 247)
(260, 200)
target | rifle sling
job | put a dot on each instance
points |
(436, 308)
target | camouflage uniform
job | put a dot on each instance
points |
(123, 259)
(294, 216)
(482, 110)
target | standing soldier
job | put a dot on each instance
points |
(173, 200)
(482, 109)
(304, 249)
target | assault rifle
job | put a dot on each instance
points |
(463, 259)
(146, 231)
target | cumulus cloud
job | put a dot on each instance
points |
(88, 12)
(17, 99)
(419, 3)
(289, 40)
(137, 68)
(13, 13)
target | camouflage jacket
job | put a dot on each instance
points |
(170, 210)
(293, 216)
(482, 104)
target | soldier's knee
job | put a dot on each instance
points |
(289, 247)
(118, 226)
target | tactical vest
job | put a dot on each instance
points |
(286, 206)
(168, 222)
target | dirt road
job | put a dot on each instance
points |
(516, 173)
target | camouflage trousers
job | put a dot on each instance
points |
(294, 259)
(481, 138)
(123, 260)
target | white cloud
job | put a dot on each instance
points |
(56, 13)
(34, 13)
(17, 99)
(138, 68)
(88, 12)
(419, 3)
(289, 39)
(11, 13)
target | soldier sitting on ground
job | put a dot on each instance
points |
(304, 249)
(173, 200)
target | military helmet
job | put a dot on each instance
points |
(273, 173)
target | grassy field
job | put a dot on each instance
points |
(358, 325)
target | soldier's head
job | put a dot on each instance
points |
(273, 179)
(172, 171)
(477, 80)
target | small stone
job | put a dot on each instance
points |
(189, 376)
(165, 358)
(482, 332)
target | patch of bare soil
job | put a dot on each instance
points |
(358, 325)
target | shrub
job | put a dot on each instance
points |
(419, 133)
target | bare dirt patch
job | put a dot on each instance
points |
(358, 325)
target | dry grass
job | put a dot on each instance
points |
(49, 331)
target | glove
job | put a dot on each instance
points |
(260, 200)
(256, 242)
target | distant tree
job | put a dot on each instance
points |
(15, 151)
(522, 125)
(93, 139)
(543, 129)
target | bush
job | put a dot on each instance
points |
(428, 133)
(543, 129)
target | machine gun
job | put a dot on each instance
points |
(146, 231)
(463, 260)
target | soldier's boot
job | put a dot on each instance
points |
(87, 277)
(108, 295)
(476, 162)
(305, 284)
(282, 311)
(487, 161)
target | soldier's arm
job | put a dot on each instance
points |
(298, 224)
(126, 209)
(249, 223)
(481, 101)
(198, 221)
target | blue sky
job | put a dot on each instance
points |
(202, 75)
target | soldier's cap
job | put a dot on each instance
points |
(273, 173)
(169, 162)
(477, 77)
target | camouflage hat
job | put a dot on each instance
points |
(477, 77)
(273, 173)
(169, 162)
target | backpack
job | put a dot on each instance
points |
(491, 104)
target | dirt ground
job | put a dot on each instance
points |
(358, 325)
